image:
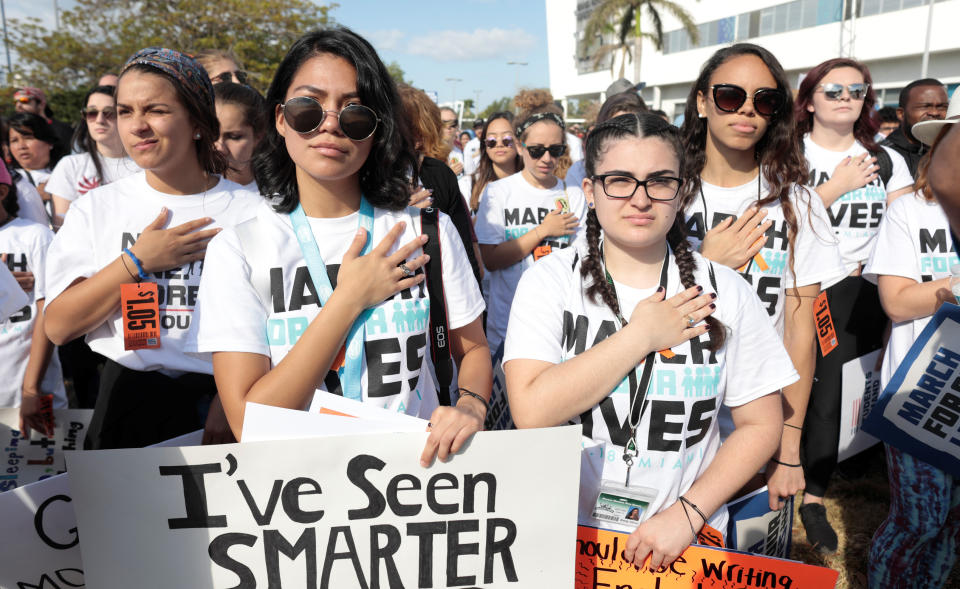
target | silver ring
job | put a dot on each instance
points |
(407, 272)
(691, 321)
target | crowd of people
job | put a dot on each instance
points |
(193, 245)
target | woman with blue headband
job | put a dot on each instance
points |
(125, 267)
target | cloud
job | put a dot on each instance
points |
(389, 40)
(476, 45)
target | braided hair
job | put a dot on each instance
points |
(625, 127)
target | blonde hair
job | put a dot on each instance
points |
(423, 120)
(207, 57)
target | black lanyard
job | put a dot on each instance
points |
(637, 396)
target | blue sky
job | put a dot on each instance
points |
(431, 40)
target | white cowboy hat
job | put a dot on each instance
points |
(926, 131)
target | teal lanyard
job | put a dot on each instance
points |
(351, 372)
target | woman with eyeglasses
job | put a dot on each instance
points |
(526, 216)
(101, 160)
(35, 149)
(323, 292)
(747, 209)
(221, 66)
(242, 113)
(647, 390)
(124, 269)
(856, 179)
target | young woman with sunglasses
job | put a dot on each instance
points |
(498, 155)
(571, 355)
(101, 160)
(527, 215)
(221, 66)
(242, 114)
(292, 318)
(747, 209)
(837, 125)
(148, 229)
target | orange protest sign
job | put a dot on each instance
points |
(599, 563)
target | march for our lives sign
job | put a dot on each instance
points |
(919, 410)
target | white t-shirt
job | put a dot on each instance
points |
(25, 244)
(575, 147)
(553, 320)
(31, 203)
(914, 242)
(509, 208)
(109, 218)
(12, 296)
(816, 258)
(36, 177)
(232, 317)
(471, 156)
(856, 215)
(76, 174)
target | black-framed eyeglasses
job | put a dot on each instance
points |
(537, 151)
(239, 75)
(833, 91)
(91, 114)
(305, 114)
(730, 97)
(506, 141)
(661, 188)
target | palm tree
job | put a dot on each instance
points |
(625, 17)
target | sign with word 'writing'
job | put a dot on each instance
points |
(600, 563)
(30, 460)
(919, 410)
(338, 511)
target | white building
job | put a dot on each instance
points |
(889, 36)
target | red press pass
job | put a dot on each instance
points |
(141, 316)
(825, 331)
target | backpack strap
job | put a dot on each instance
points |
(254, 245)
(885, 163)
(439, 336)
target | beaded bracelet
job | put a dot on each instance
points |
(137, 263)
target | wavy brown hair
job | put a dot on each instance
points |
(777, 153)
(865, 127)
(598, 141)
(423, 118)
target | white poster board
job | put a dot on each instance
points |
(861, 389)
(263, 422)
(29, 461)
(341, 511)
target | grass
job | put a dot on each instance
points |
(857, 502)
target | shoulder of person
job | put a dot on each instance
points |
(558, 266)
(31, 228)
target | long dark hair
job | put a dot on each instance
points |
(10, 203)
(598, 141)
(777, 152)
(385, 175)
(27, 123)
(485, 173)
(203, 114)
(865, 127)
(81, 136)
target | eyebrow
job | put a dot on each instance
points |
(649, 175)
(323, 93)
(151, 105)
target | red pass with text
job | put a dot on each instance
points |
(141, 316)
(540, 251)
(825, 331)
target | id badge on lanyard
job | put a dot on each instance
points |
(352, 369)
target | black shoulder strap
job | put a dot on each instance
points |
(439, 338)
(885, 163)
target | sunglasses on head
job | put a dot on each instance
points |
(239, 75)
(91, 114)
(537, 151)
(305, 115)
(506, 141)
(835, 91)
(730, 97)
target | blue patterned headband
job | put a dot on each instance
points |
(181, 67)
(552, 116)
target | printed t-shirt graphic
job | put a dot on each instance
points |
(232, 317)
(552, 320)
(25, 243)
(75, 175)
(509, 208)
(914, 242)
(816, 258)
(856, 215)
(110, 218)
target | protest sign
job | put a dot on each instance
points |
(263, 422)
(346, 511)
(754, 528)
(600, 563)
(919, 410)
(324, 402)
(38, 547)
(40, 457)
(860, 390)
